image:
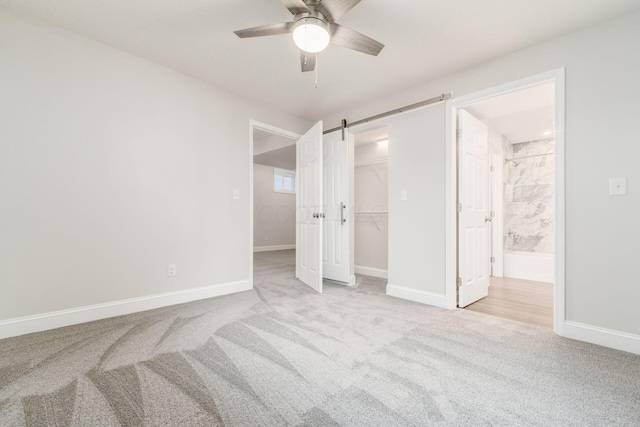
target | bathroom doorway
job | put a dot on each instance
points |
(506, 203)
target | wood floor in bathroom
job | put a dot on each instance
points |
(523, 300)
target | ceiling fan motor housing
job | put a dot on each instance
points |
(311, 31)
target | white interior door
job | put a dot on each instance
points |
(335, 242)
(474, 211)
(309, 208)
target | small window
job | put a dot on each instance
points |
(284, 181)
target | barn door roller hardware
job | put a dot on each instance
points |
(344, 125)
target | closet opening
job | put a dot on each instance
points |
(371, 208)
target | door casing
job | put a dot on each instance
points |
(253, 124)
(557, 77)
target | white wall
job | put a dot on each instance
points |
(416, 226)
(111, 168)
(366, 152)
(274, 213)
(602, 88)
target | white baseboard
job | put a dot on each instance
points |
(352, 280)
(519, 265)
(601, 336)
(370, 271)
(73, 316)
(273, 248)
(416, 295)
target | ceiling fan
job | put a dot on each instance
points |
(314, 26)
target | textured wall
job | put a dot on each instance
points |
(528, 197)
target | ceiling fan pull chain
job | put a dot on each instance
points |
(316, 71)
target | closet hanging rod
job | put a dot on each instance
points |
(527, 157)
(439, 98)
(372, 213)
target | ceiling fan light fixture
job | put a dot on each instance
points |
(311, 35)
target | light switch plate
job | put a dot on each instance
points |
(403, 195)
(618, 186)
(236, 194)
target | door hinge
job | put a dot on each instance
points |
(493, 214)
(458, 133)
(492, 259)
(459, 207)
(491, 168)
(459, 281)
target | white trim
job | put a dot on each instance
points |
(370, 271)
(253, 124)
(557, 77)
(74, 316)
(559, 203)
(497, 222)
(273, 248)
(416, 295)
(601, 336)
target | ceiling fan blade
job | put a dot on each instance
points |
(335, 9)
(307, 61)
(346, 37)
(295, 6)
(265, 30)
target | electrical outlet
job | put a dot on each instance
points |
(403, 195)
(171, 270)
(266, 238)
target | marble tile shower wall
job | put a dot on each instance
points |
(528, 196)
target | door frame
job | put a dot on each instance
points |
(557, 77)
(253, 124)
(496, 195)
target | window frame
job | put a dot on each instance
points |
(284, 173)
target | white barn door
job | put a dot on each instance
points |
(474, 212)
(309, 208)
(336, 247)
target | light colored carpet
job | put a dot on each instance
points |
(284, 355)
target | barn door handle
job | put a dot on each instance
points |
(342, 208)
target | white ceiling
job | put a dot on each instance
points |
(283, 158)
(266, 141)
(424, 39)
(520, 116)
(273, 150)
(371, 136)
